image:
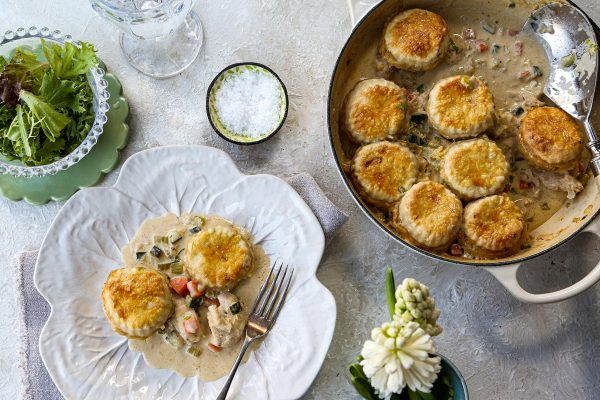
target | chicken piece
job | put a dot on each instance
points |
(225, 321)
(560, 181)
(186, 321)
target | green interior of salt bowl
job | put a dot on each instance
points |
(237, 69)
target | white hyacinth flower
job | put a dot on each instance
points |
(398, 356)
(413, 304)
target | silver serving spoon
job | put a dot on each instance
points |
(571, 46)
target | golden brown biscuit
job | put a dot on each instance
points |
(431, 214)
(474, 168)
(384, 171)
(550, 139)
(375, 110)
(218, 257)
(460, 107)
(492, 227)
(137, 301)
(415, 40)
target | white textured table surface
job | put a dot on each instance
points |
(505, 349)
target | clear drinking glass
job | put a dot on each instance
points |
(160, 38)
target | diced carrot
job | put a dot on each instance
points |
(191, 325)
(179, 285)
(581, 167)
(195, 290)
(209, 301)
(481, 46)
(214, 348)
(524, 74)
(524, 185)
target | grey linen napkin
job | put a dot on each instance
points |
(33, 310)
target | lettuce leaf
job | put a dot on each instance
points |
(45, 105)
(69, 61)
(50, 120)
(57, 92)
(23, 71)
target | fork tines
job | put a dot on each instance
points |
(272, 293)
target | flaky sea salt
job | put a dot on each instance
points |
(248, 103)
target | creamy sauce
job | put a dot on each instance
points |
(509, 53)
(158, 353)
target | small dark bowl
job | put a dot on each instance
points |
(212, 113)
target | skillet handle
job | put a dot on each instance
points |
(507, 276)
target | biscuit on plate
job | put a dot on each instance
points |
(137, 301)
(550, 139)
(218, 257)
(493, 227)
(415, 40)
(460, 107)
(375, 110)
(474, 168)
(430, 214)
(384, 171)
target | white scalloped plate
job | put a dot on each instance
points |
(87, 360)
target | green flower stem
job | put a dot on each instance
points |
(390, 292)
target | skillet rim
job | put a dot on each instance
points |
(387, 230)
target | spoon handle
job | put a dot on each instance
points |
(594, 146)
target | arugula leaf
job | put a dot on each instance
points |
(3, 63)
(51, 121)
(69, 61)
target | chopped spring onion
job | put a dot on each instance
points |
(155, 251)
(195, 351)
(591, 46)
(235, 308)
(421, 87)
(195, 230)
(544, 206)
(175, 340)
(163, 266)
(177, 268)
(139, 255)
(568, 61)
(495, 48)
(178, 257)
(174, 236)
(537, 72)
(466, 82)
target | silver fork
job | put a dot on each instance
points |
(263, 315)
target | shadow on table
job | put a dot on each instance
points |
(563, 334)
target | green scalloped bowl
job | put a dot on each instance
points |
(101, 159)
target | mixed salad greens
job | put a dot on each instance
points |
(45, 105)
